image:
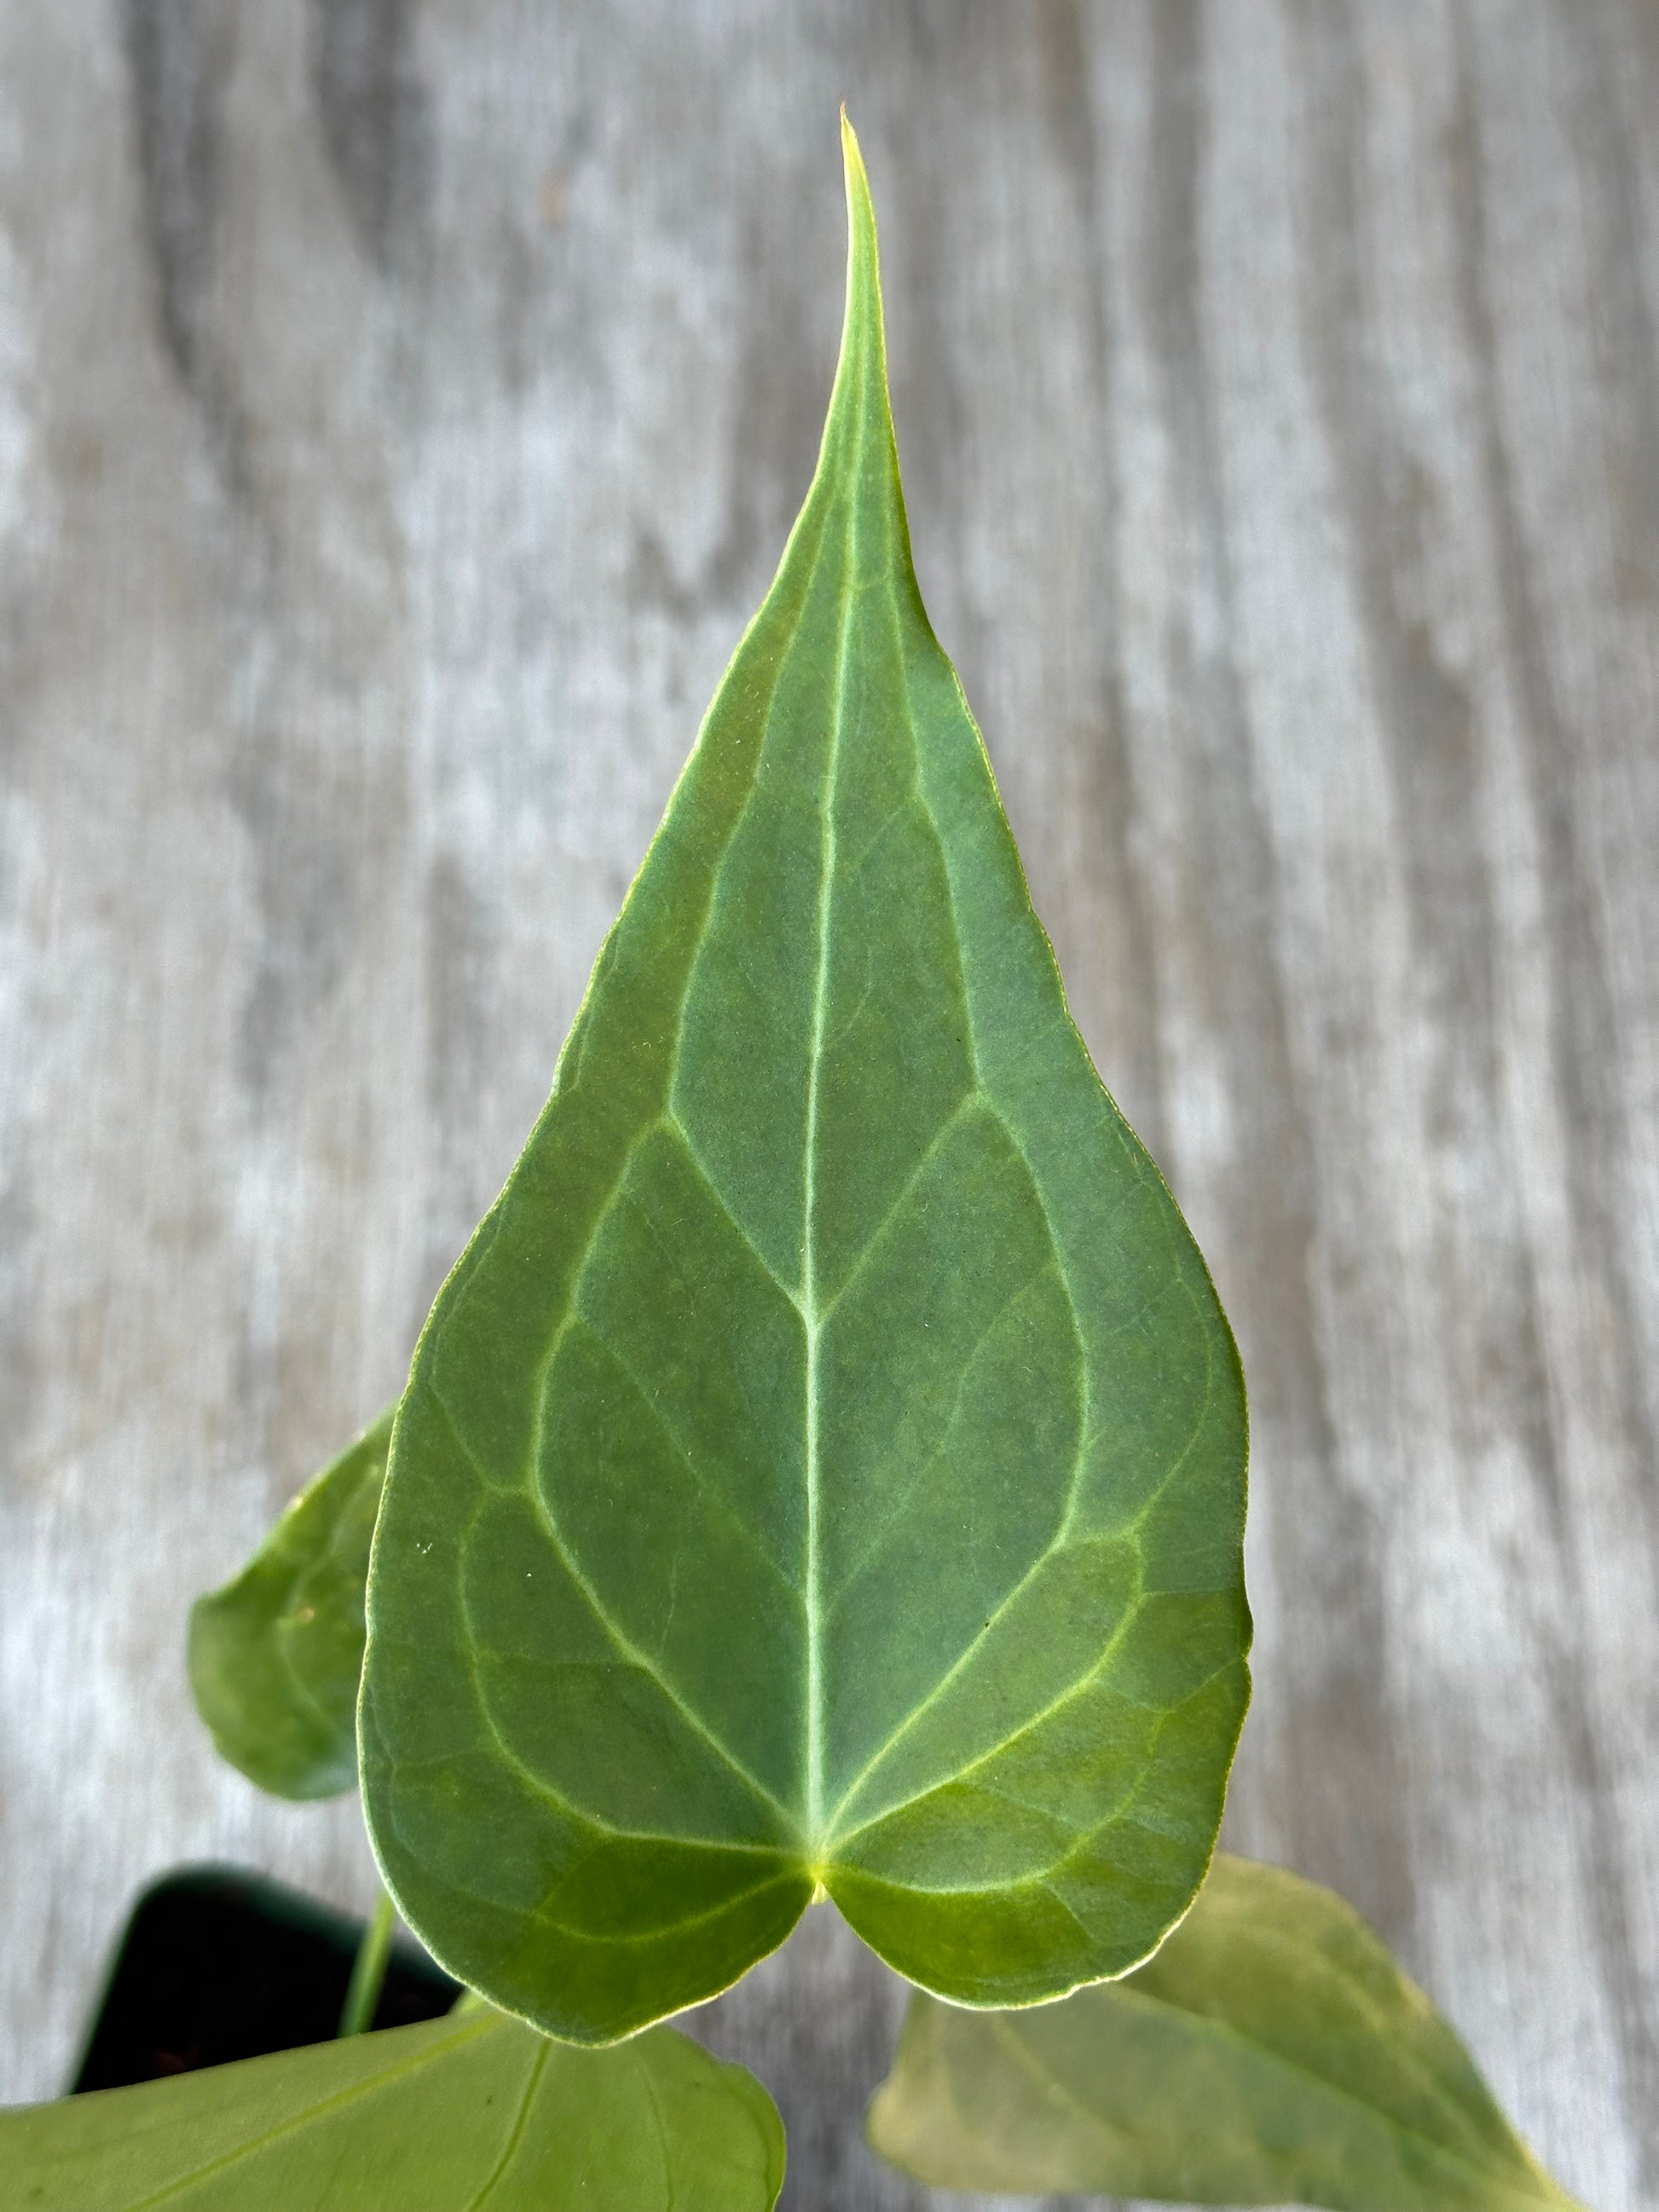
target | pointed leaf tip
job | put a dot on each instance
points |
(861, 208)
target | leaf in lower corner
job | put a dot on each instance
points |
(1270, 2053)
(826, 1464)
(470, 2110)
(276, 1656)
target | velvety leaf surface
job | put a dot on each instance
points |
(474, 2113)
(825, 1468)
(1272, 2053)
(276, 1656)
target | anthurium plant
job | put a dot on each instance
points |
(821, 1479)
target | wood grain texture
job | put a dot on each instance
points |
(402, 406)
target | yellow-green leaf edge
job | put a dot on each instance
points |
(1271, 2052)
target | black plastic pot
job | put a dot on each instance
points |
(217, 1965)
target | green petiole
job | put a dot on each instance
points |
(369, 1971)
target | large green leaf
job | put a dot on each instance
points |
(1272, 2053)
(276, 1654)
(824, 1469)
(474, 2113)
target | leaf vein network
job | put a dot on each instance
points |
(538, 1783)
(625, 1644)
(640, 1939)
(967, 1098)
(705, 1175)
(718, 1504)
(946, 1425)
(531, 1488)
(1072, 1689)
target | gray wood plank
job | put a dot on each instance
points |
(402, 406)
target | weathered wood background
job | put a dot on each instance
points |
(402, 406)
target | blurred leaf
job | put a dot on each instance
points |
(456, 2115)
(1272, 2053)
(276, 1656)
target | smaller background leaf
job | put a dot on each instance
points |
(276, 1654)
(474, 2110)
(1270, 2052)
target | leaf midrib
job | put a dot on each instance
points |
(812, 1320)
